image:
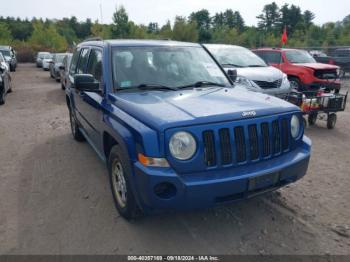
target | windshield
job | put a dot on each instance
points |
(47, 56)
(299, 57)
(236, 56)
(173, 67)
(5, 52)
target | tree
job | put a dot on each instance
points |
(203, 22)
(185, 31)
(153, 28)
(292, 18)
(233, 20)
(5, 34)
(100, 30)
(308, 18)
(120, 28)
(269, 20)
(47, 38)
(166, 32)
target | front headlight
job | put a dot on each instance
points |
(295, 126)
(244, 81)
(182, 145)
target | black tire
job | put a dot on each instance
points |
(77, 135)
(119, 170)
(331, 121)
(62, 86)
(2, 96)
(295, 83)
(58, 80)
(312, 119)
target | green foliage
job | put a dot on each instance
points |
(120, 28)
(185, 30)
(47, 38)
(226, 27)
(5, 34)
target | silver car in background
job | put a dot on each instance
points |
(252, 71)
(40, 57)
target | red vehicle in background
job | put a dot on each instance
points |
(304, 73)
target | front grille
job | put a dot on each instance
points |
(246, 143)
(209, 148)
(240, 144)
(330, 74)
(269, 85)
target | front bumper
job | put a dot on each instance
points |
(207, 189)
(333, 85)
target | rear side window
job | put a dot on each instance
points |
(73, 65)
(84, 56)
(272, 57)
(95, 64)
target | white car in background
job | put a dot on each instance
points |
(252, 71)
(46, 61)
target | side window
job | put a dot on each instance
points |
(1, 58)
(84, 56)
(95, 64)
(272, 57)
(73, 64)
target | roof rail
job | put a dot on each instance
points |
(92, 39)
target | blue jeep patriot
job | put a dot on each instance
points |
(174, 130)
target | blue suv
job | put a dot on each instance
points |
(175, 131)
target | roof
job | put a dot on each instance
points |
(5, 47)
(224, 46)
(276, 49)
(144, 43)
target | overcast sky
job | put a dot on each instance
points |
(145, 11)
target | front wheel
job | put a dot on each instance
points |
(295, 83)
(77, 135)
(119, 176)
(331, 121)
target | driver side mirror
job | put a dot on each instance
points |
(232, 74)
(86, 82)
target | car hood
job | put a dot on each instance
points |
(317, 66)
(161, 110)
(268, 73)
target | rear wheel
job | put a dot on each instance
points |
(331, 121)
(119, 176)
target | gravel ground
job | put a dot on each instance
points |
(55, 197)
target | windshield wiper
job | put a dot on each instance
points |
(201, 84)
(154, 87)
(234, 65)
(256, 66)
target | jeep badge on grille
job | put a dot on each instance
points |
(249, 113)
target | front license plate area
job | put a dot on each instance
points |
(264, 181)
